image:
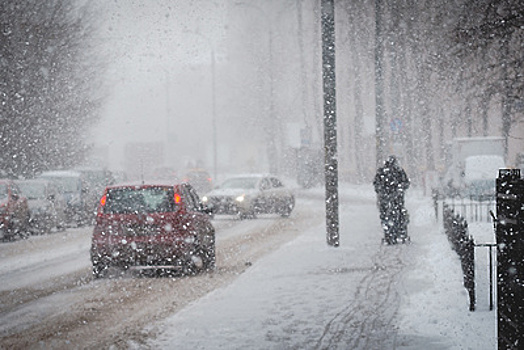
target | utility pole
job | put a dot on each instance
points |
(330, 120)
(379, 87)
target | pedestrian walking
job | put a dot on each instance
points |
(390, 184)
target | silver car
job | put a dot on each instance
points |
(249, 195)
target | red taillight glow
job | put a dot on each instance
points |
(103, 200)
(177, 198)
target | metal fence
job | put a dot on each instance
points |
(456, 229)
(509, 229)
(471, 209)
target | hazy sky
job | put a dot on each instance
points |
(159, 54)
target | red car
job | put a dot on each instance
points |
(152, 226)
(14, 211)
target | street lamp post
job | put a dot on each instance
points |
(379, 86)
(330, 121)
(271, 146)
(214, 112)
(213, 102)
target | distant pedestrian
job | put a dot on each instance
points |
(390, 184)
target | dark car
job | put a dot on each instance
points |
(249, 195)
(14, 211)
(152, 226)
(46, 205)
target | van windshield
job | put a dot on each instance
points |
(33, 190)
(65, 184)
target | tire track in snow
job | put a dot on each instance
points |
(368, 321)
(114, 312)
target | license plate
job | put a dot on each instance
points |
(140, 230)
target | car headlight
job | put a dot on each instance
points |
(240, 198)
(205, 199)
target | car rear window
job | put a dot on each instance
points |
(130, 200)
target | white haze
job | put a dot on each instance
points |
(161, 55)
(156, 68)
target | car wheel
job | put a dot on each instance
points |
(193, 265)
(100, 270)
(249, 214)
(24, 226)
(209, 256)
(19, 229)
(3, 234)
(9, 232)
(203, 257)
(289, 205)
(60, 226)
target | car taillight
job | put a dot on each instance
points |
(177, 198)
(103, 201)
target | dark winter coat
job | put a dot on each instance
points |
(390, 181)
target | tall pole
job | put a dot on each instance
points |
(379, 86)
(213, 101)
(272, 152)
(214, 111)
(330, 121)
(271, 128)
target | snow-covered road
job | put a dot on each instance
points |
(277, 286)
(49, 299)
(361, 295)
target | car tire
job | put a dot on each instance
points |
(24, 226)
(210, 258)
(100, 270)
(204, 253)
(9, 232)
(249, 214)
(289, 205)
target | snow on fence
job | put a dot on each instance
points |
(471, 209)
(456, 229)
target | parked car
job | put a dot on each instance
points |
(96, 180)
(480, 173)
(152, 226)
(46, 205)
(14, 211)
(81, 190)
(72, 186)
(249, 195)
(200, 180)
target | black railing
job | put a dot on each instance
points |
(510, 261)
(456, 229)
(473, 209)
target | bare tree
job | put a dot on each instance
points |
(47, 79)
(497, 27)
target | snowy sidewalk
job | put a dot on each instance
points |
(361, 295)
